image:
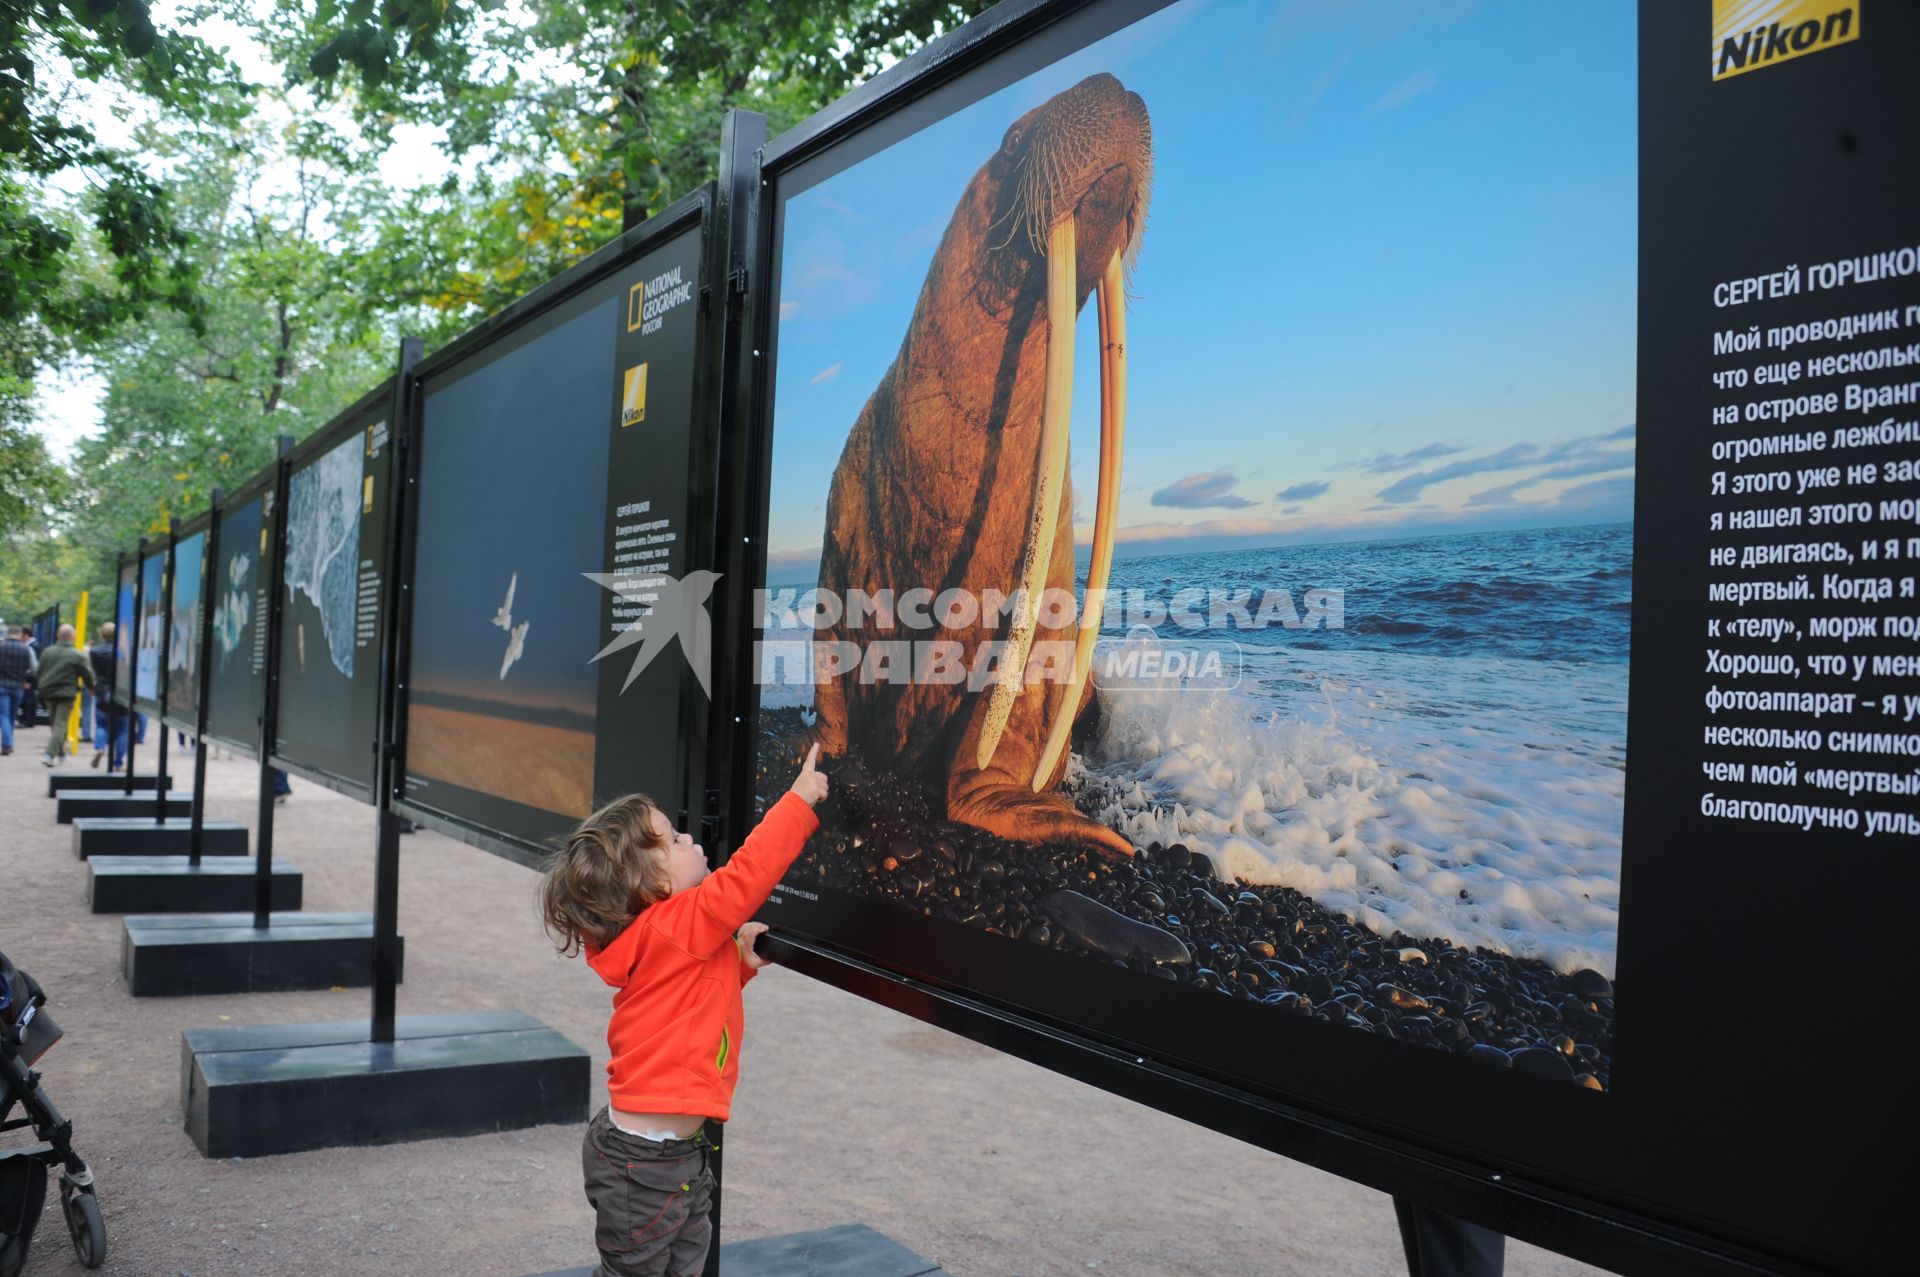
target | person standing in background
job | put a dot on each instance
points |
(29, 703)
(109, 719)
(64, 670)
(17, 668)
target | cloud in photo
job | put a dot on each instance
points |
(1202, 492)
(1302, 492)
(1388, 462)
(1569, 459)
(826, 374)
(1404, 92)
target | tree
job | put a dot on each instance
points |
(50, 50)
(283, 342)
(591, 114)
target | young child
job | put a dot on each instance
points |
(675, 943)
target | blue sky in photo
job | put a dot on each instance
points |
(1387, 287)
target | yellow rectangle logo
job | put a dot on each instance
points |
(1750, 34)
(366, 496)
(633, 396)
(636, 297)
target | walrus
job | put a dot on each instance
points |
(954, 476)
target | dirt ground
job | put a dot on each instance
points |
(846, 1112)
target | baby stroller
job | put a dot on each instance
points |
(26, 1031)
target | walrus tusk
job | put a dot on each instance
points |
(1049, 477)
(1106, 507)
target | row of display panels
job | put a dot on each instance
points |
(513, 730)
(1332, 805)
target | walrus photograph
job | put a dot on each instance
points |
(1202, 518)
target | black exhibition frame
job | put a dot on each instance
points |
(185, 718)
(376, 406)
(695, 210)
(1427, 1136)
(242, 734)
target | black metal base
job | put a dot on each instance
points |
(101, 780)
(69, 806)
(845, 1250)
(169, 884)
(250, 1091)
(140, 836)
(171, 954)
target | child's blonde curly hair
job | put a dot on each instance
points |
(612, 866)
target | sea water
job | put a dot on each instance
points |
(1448, 761)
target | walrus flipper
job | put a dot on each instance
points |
(1000, 804)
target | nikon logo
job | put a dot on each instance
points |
(633, 396)
(1750, 34)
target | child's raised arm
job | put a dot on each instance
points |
(733, 893)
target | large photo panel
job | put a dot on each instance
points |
(332, 566)
(123, 633)
(1342, 431)
(150, 628)
(553, 465)
(236, 668)
(184, 673)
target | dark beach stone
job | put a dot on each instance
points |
(1544, 1061)
(1589, 1081)
(904, 850)
(1260, 949)
(1394, 995)
(1591, 984)
(1489, 1055)
(1039, 934)
(1562, 1043)
(1210, 902)
(1177, 855)
(1112, 934)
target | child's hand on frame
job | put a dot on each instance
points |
(810, 784)
(745, 938)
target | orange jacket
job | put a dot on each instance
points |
(677, 975)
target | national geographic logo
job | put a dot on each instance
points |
(633, 396)
(649, 300)
(1750, 34)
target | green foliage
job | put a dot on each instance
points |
(279, 348)
(591, 114)
(52, 52)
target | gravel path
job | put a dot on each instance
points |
(847, 1112)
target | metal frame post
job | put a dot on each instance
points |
(160, 675)
(396, 600)
(209, 555)
(270, 698)
(133, 654)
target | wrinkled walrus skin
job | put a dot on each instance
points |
(934, 487)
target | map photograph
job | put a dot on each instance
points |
(325, 499)
(505, 624)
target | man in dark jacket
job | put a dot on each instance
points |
(64, 670)
(109, 719)
(17, 666)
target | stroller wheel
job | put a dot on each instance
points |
(89, 1231)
